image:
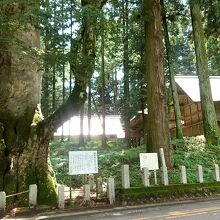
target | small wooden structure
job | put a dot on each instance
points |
(190, 106)
(137, 129)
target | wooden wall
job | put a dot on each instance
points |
(192, 116)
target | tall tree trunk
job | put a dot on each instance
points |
(89, 110)
(63, 69)
(210, 125)
(157, 124)
(45, 86)
(115, 91)
(24, 158)
(54, 65)
(179, 130)
(104, 144)
(126, 74)
(81, 126)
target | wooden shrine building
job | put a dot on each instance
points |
(190, 106)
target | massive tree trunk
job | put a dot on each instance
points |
(158, 135)
(24, 134)
(210, 125)
(179, 130)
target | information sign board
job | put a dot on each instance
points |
(149, 160)
(83, 162)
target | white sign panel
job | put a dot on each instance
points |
(149, 160)
(83, 162)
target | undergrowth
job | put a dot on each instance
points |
(190, 152)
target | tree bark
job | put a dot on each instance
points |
(104, 143)
(157, 119)
(179, 130)
(126, 74)
(210, 126)
(89, 110)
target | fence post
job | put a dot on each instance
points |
(183, 176)
(99, 187)
(86, 193)
(165, 179)
(146, 174)
(162, 157)
(216, 173)
(111, 190)
(199, 174)
(61, 197)
(2, 203)
(32, 195)
(125, 177)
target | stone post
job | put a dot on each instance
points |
(61, 197)
(2, 203)
(146, 175)
(183, 176)
(125, 177)
(99, 187)
(165, 179)
(87, 193)
(32, 195)
(162, 157)
(216, 173)
(111, 190)
(199, 174)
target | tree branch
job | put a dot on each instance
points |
(70, 108)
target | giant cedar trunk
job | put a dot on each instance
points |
(23, 159)
(24, 134)
(210, 125)
(158, 136)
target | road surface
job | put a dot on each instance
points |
(191, 211)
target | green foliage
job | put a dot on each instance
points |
(190, 152)
(195, 152)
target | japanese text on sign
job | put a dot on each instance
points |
(83, 162)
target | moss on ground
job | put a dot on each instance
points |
(145, 194)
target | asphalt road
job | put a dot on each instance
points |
(191, 211)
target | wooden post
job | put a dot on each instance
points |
(2, 203)
(111, 190)
(125, 177)
(61, 197)
(70, 187)
(183, 176)
(32, 195)
(146, 174)
(91, 181)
